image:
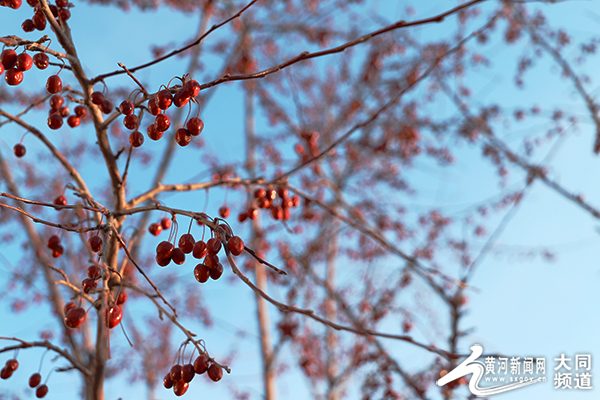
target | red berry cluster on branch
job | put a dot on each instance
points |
(266, 199)
(180, 376)
(54, 245)
(9, 367)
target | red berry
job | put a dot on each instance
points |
(8, 57)
(12, 365)
(126, 108)
(63, 111)
(178, 256)
(14, 4)
(195, 126)
(57, 251)
(55, 121)
(224, 212)
(64, 14)
(213, 246)
(13, 76)
(235, 245)
(53, 241)
(28, 26)
(271, 194)
(5, 373)
(176, 371)
(260, 193)
(163, 262)
(181, 98)
(167, 381)
(216, 271)
(242, 217)
(106, 107)
(153, 133)
(41, 60)
(164, 98)
(39, 21)
(114, 315)
(201, 273)
(164, 249)
(282, 192)
(162, 122)
(88, 285)
(32, 3)
(53, 84)
(95, 243)
(136, 139)
(215, 372)
(67, 307)
(41, 391)
(155, 229)
(62, 3)
(73, 121)
(97, 98)
(60, 201)
(211, 261)
(199, 250)
(201, 364)
(56, 101)
(24, 62)
(192, 88)
(252, 212)
(94, 272)
(188, 373)
(19, 150)
(180, 388)
(130, 121)
(186, 243)
(154, 110)
(165, 223)
(75, 318)
(122, 297)
(183, 137)
(81, 111)
(34, 380)
(277, 212)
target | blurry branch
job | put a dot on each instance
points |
(52, 224)
(338, 49)
(45, 344)
(570, 74)
(28, 108)
(310, 313)
(412, 262)
(533, 171)
(390, 102)
(173, 318)
(56, 299)
(58, 155)
(175, 52)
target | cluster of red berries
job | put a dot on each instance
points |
(34, 381)
(54, 245)
(58, 111)
(131, 122)
(267, 199)
(15, 64)
(210, 267)
(157, 227)
(10, 367)
(180, 376)
(162, 101)
(60, 11)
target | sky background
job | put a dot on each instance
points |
(522, 306)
